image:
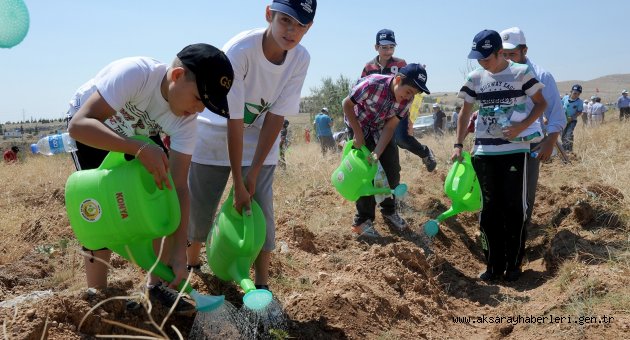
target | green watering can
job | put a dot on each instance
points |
(118, 206)
(462, 187)
(355, 175)
(233, 246)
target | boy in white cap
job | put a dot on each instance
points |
(500, 157)
(515, 49)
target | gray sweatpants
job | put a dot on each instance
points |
(207, 183)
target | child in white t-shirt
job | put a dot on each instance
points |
(142, 96)
(269, 67)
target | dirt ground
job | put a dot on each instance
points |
(333, 286)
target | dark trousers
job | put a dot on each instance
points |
(366, 205)
(503, 181)
(567, 135)
(407, 142)
(533, 171)
(624, 113)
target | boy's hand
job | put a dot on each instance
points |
(457, 154)
(512, 131)
(242, 198)
(358, 141)
(155, 161)
(180, 271)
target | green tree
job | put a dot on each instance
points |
(329, 95)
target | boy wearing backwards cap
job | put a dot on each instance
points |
(386, 63)
(269, 70)
(373, 109)
(500, 155)
(142, 96)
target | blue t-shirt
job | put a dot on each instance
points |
(572, 107)
(322, 125)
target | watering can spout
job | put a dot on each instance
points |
(247, 285)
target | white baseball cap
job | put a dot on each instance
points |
(512, 37)
(436, 105)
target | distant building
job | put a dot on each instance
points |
(13, 134)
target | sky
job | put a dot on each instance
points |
(70, 41)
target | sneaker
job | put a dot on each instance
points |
(365, 229)
(395, 221)
(512, 275)
(488, 276)
(429, 161)
(166, 297)
(196, 268)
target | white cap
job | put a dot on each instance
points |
(512, 37)
(436, 105)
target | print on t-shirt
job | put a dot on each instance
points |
(253, 111)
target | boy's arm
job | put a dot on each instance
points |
(180, 164)
(348, 111)
(539, 107)
(462, 130)
(87, 127)
(386, 135)
(235, 150)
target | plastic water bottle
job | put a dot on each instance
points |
(380, 181)
(533, 154)
(502, 118)
(54, 144)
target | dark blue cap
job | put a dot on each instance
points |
(301, 10)
(418, 74)
(484, 43)
(385, 37)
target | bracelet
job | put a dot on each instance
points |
(374, 157)
(141, 148)
(458, 145)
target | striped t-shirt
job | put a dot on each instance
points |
(507, 92)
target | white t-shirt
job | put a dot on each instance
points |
(131, 86)
(259, 87)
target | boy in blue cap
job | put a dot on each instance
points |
(501, 150)
(142, 96)
(372, 110)
(573, 108)
(269, 70)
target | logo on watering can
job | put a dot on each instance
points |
(90, 210)
(340, 176)
(122, 207)
(348, 165)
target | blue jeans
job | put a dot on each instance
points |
(407, 142)
(567, 135)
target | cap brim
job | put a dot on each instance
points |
(476, 55)
(509, 46)
(386, 42)
(421, 87)
(278, 7)
(218, 106)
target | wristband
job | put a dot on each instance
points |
(458, 145)
(141, 148)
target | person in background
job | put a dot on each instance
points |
(597, 112)
(439, 120)
(454, 116)
(284, 143)
(623, 104)
(10, 156)
(573, 107)
(553, 119)
(587, 113)
(323, 128)
(307, 135)
(386, 63)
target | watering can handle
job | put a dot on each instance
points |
(350, 145)
(248, 222)
(114, 159)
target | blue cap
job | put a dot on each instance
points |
(484, 43)
(301, 10)
(385, 37)
(418, 74)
